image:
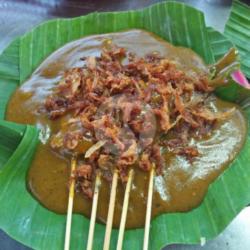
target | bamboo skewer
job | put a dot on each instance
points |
(110, 211)
(149, 207)
(70, 205)
(124, 210)
(93, 212)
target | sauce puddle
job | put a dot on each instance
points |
(182, 186)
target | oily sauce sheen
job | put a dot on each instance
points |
(183, 185)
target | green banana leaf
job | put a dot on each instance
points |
(238, 30)
(24, 219)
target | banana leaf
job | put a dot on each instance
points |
(238, 30)
(24, 219)
(10, 137)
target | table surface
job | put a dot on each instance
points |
(19, 16)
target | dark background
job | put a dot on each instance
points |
(19, 16)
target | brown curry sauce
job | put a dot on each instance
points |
(183, 184)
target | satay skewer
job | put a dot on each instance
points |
(111, 211)
(124, 210)
(93, 212)
(70, 204)
(149, 207)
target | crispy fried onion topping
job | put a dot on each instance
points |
(130, 110)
